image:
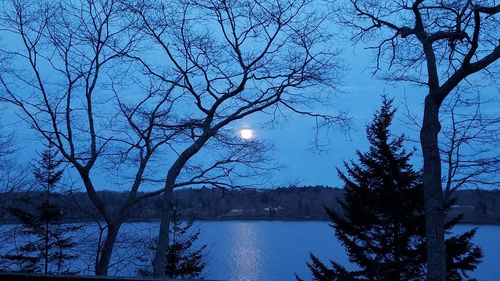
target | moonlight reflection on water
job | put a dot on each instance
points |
(245, 254)
(255, 250)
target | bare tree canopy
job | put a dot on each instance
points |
(460, 37)
(231, 59)
(138, 88)
(469, 143)
(66, 58)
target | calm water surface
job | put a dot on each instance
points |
(256, 250)
(266, 250)
(275, 250)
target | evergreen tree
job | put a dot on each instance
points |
(184, 260)
(382, 221)
(48, 242)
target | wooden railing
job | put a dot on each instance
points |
(12, 276)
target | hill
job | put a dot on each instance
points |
(290, 203)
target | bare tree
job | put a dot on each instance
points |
(14, 177)
(76, 83)
(436, 45)
(234, 59)
(469, 143)
(67, 56)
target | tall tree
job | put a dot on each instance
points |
(48, 174)
(382, 224)
(89, 73)
(230, 60)
(185, 258)
(437, 45)
(49, 241)
(69, 54)
(62, 50)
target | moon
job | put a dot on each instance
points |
(247, 134)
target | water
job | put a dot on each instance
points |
(275, 250)
(266, 250)
(258, 250)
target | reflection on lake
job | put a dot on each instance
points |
(256, 250)
(275, 250)
(243, 254)
(265, 250)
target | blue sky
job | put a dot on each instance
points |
(301, 163)
(292, 138)
(361, 96)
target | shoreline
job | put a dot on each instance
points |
(250, 219)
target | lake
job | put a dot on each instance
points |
(275, 250)
(260, 250)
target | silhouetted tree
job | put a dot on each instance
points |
(81, 71)
(438, 45)
(270, 51)
(47, 240)
(185, 259)
(382, 225)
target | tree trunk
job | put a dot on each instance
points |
(46, 234)
(112, 225)
(160, 258)
(46, 250)
(102, 265)
(433, 194)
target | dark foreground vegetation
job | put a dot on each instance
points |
(40, 277)
(382, 223)
(294, 203)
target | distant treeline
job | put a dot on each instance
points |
(290, 203)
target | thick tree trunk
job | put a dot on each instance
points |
(433, 194)
(102, 265)
(112, 224)
(160, 258)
